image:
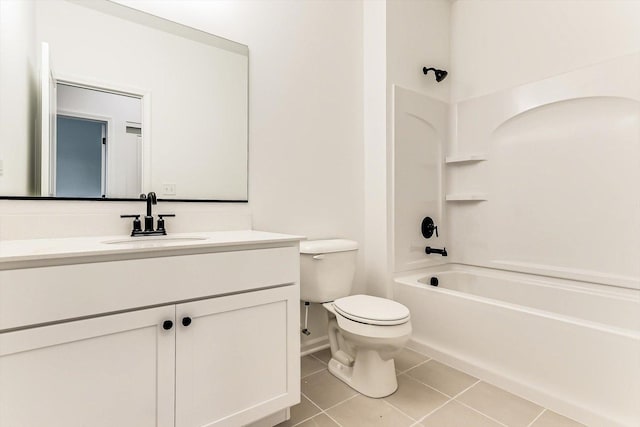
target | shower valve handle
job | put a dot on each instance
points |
(428, 227)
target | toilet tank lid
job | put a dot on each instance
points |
(327, 246)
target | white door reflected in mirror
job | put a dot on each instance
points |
(98, 143)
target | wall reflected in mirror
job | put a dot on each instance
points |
(182, 127)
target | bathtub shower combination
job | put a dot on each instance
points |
(537, 206)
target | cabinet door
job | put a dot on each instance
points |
(115, 370)
(238, 359)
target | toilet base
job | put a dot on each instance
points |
(360, 377)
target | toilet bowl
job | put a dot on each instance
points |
(365, 332)
(364, 341)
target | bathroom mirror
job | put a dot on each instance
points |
(184, 91)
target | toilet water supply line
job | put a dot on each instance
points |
(306, 319)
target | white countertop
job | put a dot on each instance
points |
(39, 252)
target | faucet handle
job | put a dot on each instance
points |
(428, 227)
(161, 222)
(137, 225)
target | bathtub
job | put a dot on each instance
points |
(573, 347)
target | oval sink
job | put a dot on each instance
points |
(154, 240)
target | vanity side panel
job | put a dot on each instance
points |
(51, 294)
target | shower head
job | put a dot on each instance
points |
(440, 74)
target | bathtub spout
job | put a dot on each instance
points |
(429, 250)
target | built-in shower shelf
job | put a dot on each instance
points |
(464, 158)
(466, 197)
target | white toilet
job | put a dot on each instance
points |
(365, 332)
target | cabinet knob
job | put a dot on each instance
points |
(186, 321)
(167, 324)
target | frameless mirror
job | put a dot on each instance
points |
(103, 101)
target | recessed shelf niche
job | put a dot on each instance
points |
(464, 158)
(466, 197)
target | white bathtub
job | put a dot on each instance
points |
(570, 346)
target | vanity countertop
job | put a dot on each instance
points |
(47, 252)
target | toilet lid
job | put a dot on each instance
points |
(372, 310)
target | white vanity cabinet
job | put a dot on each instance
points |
(106, 371)
(222, 350)
(233, 361)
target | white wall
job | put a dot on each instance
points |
(17, 96)
(500, 44)
(418, 35)
(375, 152)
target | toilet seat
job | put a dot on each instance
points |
(372, 310)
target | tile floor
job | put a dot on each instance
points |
(430, 394)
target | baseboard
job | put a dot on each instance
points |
(272, 420)
(316, 344)
(555, 403)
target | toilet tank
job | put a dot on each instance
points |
(327, 268)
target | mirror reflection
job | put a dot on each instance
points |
(142, 104)
(97, 144)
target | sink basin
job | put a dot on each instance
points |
(154, 240)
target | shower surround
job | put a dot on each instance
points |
(535, 196)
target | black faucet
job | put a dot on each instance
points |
(429, 250)
(148, 219)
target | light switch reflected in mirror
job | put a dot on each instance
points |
(189, 139)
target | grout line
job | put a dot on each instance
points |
(482, 413)
(472, 385)
(305, 420)
(413, 367)
(340, 403)
(312, 402)
(314, 415)
(312, 373)
(439, 391)
(450, 399)
(536, 418)
(332, 419)
(399, 410)
(433, 410)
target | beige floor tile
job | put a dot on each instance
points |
(362, 411)
(319, 421)
(323, 355)
(303, 410)
(442, 377)
(408, 359)
(551, 419)
(454, 414)
(325, 390)
(415, 399)
(310, 365)
(501, 405)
